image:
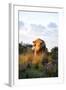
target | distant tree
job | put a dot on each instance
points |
(24, 48)
(54, 53)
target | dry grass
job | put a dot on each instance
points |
(29, 57)
(25, 58)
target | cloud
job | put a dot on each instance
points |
(21, 24)
(29, 32)
(52, 25)
(37, 29)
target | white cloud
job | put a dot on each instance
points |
(52, 25)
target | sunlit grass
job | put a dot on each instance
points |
(25, 58)
(35, 66)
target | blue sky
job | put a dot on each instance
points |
(42, 25)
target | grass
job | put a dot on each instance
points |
(36, 67)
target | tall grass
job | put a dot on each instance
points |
(43, 65)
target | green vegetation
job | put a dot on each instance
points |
(48, 67)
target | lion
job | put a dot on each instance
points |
(39, 51)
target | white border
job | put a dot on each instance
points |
(13, 76)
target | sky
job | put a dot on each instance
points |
(43, 25)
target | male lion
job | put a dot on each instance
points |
(39, 51)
